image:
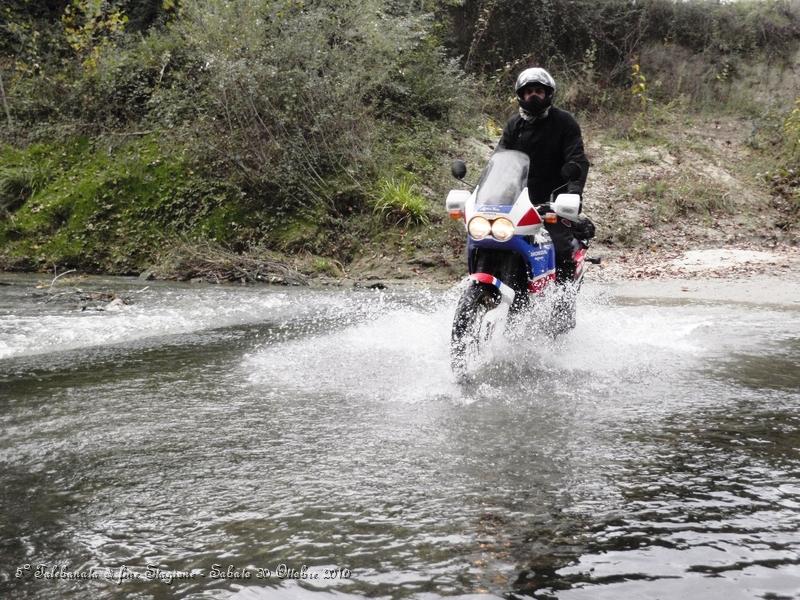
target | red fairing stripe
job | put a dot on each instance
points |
(530, 218)
(579, 254)
(537, 285)
(483, 278)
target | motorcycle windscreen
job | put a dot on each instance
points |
(503, 178)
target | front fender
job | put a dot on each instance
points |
(506, 293)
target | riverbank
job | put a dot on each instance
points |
(760, 290)
(656, 195)
(739, 275)
(713, 274)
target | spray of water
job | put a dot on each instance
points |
(398, 349)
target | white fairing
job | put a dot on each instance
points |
(567, 206)
(521, 207)
(501, 193)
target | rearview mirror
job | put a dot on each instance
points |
(458, 169)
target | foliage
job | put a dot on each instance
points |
(785, 180)
(701, 44)
(495, 35)
(90, 26)
(110, 211)
(155, 79)
(639, 87)
(791, 130)
(20, 178)
(304, 95)
(398, 202)
(295, 122)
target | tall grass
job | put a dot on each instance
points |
(399, 202)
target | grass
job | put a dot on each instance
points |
(119, 209)
(326, 266)
(399, 203)
(682, 194)
(641, 158)
(106, 210)
(295, 234)
(19, 182)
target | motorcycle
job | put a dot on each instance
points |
(511, 258)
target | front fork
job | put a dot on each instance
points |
(503, 269)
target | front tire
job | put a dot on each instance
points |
(562, 318)
(470, 331)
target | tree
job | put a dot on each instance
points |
(91, 26)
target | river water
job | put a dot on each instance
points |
(262, 442)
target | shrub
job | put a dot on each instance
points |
(577, 39)
(398, 202)
(791, 131)
(301, 94)
(785, 180)
(18, 182)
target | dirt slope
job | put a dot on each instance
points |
(681, 187)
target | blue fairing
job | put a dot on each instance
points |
(540, 258)
(490, 208)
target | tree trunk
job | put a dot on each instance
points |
(481, 26)
(5, 102)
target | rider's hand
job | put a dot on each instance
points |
(574, 187)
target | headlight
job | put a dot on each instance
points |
(479, 227)
(502, 230)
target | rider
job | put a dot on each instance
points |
(551, 138)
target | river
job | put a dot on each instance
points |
(267, 443)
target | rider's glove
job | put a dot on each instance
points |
(574, 187)
(583, 228)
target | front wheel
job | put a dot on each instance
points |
(471, 330)
(562, 318)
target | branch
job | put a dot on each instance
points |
(57, 277)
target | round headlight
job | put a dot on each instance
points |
(479, 227)
(502, 230)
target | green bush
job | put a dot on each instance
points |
(18, 182)
(503, 35)
(791, 131)
(302, 95)
(291, 111)
(399, 203)
(785, 180)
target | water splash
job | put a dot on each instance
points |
(155, 314)
(398, 349)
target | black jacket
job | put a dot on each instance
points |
(550, 142)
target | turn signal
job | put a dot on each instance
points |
(551, 218)
(456, 215)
